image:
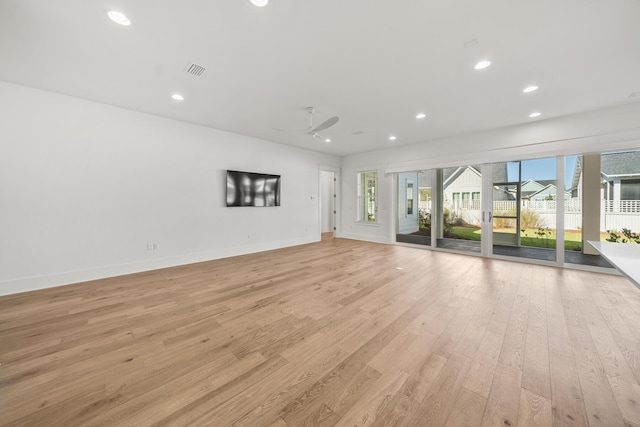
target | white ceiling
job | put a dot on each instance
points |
(374, 63)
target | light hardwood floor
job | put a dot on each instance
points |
(338, 332)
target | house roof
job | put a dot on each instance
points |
(624, 163)
(531, 186)
(548, 189)
(449, 175)
(536, 187)
(499, 172)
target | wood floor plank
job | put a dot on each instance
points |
(567, 402)
(374, 402)
(624, 338)
(396, 412)
(513, 345)
(480, 375)
(467, 410)
(423, 376)
(504, 398)
(435, 409)
(336, 391)
(535, 368)
(599, 400)
(624, 385)
(337, 332)
(534, 410)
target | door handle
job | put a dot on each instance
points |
(490, 217)
(482, 216)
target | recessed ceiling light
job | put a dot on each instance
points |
(530, 89)
(393, 138)
(482, 65)
(535, 114)
(327, 140)
(259, 3)
(177, 97)
(118, 18)
(421, 116)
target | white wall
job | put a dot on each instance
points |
(605, 130)
(84, 187)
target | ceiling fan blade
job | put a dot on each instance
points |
(326, 124)
(316, 135)
(289, 130)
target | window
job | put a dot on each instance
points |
(368, 196)
(409, 198)
(630, 189)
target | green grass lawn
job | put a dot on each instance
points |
(572, 238)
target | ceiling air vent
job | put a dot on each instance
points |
(471, 43)
(195, 70)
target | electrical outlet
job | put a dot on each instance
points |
(156, 246)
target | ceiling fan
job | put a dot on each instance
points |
(315, 131)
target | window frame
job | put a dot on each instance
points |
(366, 202)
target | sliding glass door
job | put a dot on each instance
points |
(540, 209)
(459, 210)
(413, 218)
(524, 209)
(506, 204)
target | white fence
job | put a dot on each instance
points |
(614, 215)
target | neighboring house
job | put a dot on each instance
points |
(531, 187)
(462, 186)
(620, 173)
(547, 193)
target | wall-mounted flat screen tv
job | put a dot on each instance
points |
(252, 189)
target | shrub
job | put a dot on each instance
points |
(545, 235)
(424, 218)
(530, 219)
(504, 222)
(629, 236)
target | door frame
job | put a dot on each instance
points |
(336, 199)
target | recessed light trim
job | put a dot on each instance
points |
(177, 97)
(421, 116)
(482, 64)
(118, 17)
(530, 89)
(535, 114)
(393, 138)
(259, 3)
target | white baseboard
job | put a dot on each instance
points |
(26, 284)
(365, 238)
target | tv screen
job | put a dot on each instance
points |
(252, 189)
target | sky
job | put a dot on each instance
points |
(542, 169)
